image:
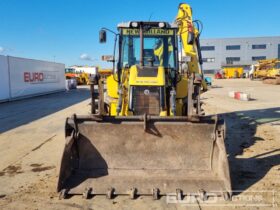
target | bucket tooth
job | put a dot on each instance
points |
(132, 193)
(63, 194)
(226, 196)
(110, 193)
(87, 193)
(155, 192)
(179, 194)
(202, 195)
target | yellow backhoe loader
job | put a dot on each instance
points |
(267, 70)
(148, 134)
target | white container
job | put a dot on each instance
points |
(4, 81)
(30, 77)
(92, 70)
(71, 84)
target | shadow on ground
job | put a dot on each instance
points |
(241, 136)
(17, 113)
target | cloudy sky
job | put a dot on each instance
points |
(67, 30)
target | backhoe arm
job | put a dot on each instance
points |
(190, 40)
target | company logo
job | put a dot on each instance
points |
(240, 199)
(33, 77)
(41, 77)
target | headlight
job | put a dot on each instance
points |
(161, 25)
(134, 24)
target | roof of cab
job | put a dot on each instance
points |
(147, 23)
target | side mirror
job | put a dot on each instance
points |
(191, 38)
(102, 36)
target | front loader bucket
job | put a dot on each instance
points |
(143, 156)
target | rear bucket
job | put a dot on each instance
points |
(139, 155)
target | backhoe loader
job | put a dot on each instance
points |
(147, 135)
(267, 70)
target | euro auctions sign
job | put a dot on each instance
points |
(33, 77)
(40, 77)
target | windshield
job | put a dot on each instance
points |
(69, 70)
(158, 49)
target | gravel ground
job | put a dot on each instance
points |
(32, 140)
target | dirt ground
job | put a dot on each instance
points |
(32, 140)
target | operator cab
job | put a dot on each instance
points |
(148, 44)
(148, 54)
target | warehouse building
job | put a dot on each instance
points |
(238, 51)
(85, 69)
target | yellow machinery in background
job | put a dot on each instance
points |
(233, 71)
(105, 72)
(83, 74)
(267, 70)
(70, 73)
(148, 134)
(83, 78)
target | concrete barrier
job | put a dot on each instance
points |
(239, 96)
